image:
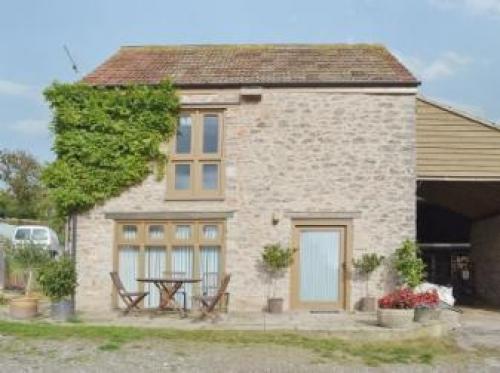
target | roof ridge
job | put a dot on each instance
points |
(258, 45)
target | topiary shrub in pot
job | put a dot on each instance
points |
(365, 266)
(58, 282)
(276, 260)
(26, 259)
(396, 310)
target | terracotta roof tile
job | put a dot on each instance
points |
(265, 65)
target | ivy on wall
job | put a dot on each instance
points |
(106, 140)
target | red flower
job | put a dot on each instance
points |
(401, 299)
(428, 299)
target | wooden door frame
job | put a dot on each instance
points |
(345, 267)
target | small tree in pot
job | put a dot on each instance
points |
(27, 259)
(410, 266)
(58, 282)
(365, 266)
(276, 260)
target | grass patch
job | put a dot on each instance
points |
(424, 350)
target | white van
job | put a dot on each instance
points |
(38, 234)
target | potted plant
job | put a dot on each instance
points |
(426, 306)
(408, 264)
(396, 310)
(58, 281)
(365, 266)
(26, 259)
(276, 260)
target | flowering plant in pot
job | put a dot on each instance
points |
(58, 282)
(365, 266)
(26, 259)
(396, 310)
(426, 306)
(276, 260)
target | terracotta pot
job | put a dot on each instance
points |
(275, 305)
(23, 308)
(395, 318)
(368, 304)
(423, 314)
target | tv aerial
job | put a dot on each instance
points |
(71, 60)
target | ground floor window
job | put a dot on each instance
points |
(192, 249)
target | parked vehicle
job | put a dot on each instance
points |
(39, 235)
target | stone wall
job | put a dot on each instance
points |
(298, 150)
(485, 253)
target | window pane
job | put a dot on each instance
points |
(182, 176)
(156, 232)
(182, 266)
(210, 232)
(128, 267)
(182, 232)
(23, 234)
(39, 234)
(209, 269)
(210, 176)
(210, 134)
(129, 232)
(183, 138)
(155, 261)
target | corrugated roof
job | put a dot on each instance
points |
(263, 65)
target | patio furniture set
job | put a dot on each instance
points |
(168, 288)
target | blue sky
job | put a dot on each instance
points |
(453, 46)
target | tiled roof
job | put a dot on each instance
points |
(263, 65)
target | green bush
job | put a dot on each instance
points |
(276, 259)
(409, 265)
(58, 278)
(27, 259)
(368, 263)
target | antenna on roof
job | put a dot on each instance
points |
(73, 63)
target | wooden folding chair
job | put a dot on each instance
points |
(130, 298)
(208, 303)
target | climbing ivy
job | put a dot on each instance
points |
(106, 140)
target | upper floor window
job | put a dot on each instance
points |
(195, 167)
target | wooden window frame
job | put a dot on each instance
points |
(197, 159)
(168, 242)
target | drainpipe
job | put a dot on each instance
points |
(73, 251)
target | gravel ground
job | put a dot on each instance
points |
(480, 333)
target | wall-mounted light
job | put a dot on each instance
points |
(275, 219)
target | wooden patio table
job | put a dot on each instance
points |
(168, 287)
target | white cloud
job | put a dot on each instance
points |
(488, 7)
(31, 127)
(10, 88)
(444, 66)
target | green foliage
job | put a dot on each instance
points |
(277, 258)
(22, 194)
(106, 140)
(58, 278)
(368, 263)
(27, 259)
(409, 265)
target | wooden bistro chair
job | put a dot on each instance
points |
(130, 298)
(208, 303)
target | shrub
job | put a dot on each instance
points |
(409, 265)
(276, 259)
(399, 299)
(368, 263)
(58, 278)
(27, 259)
